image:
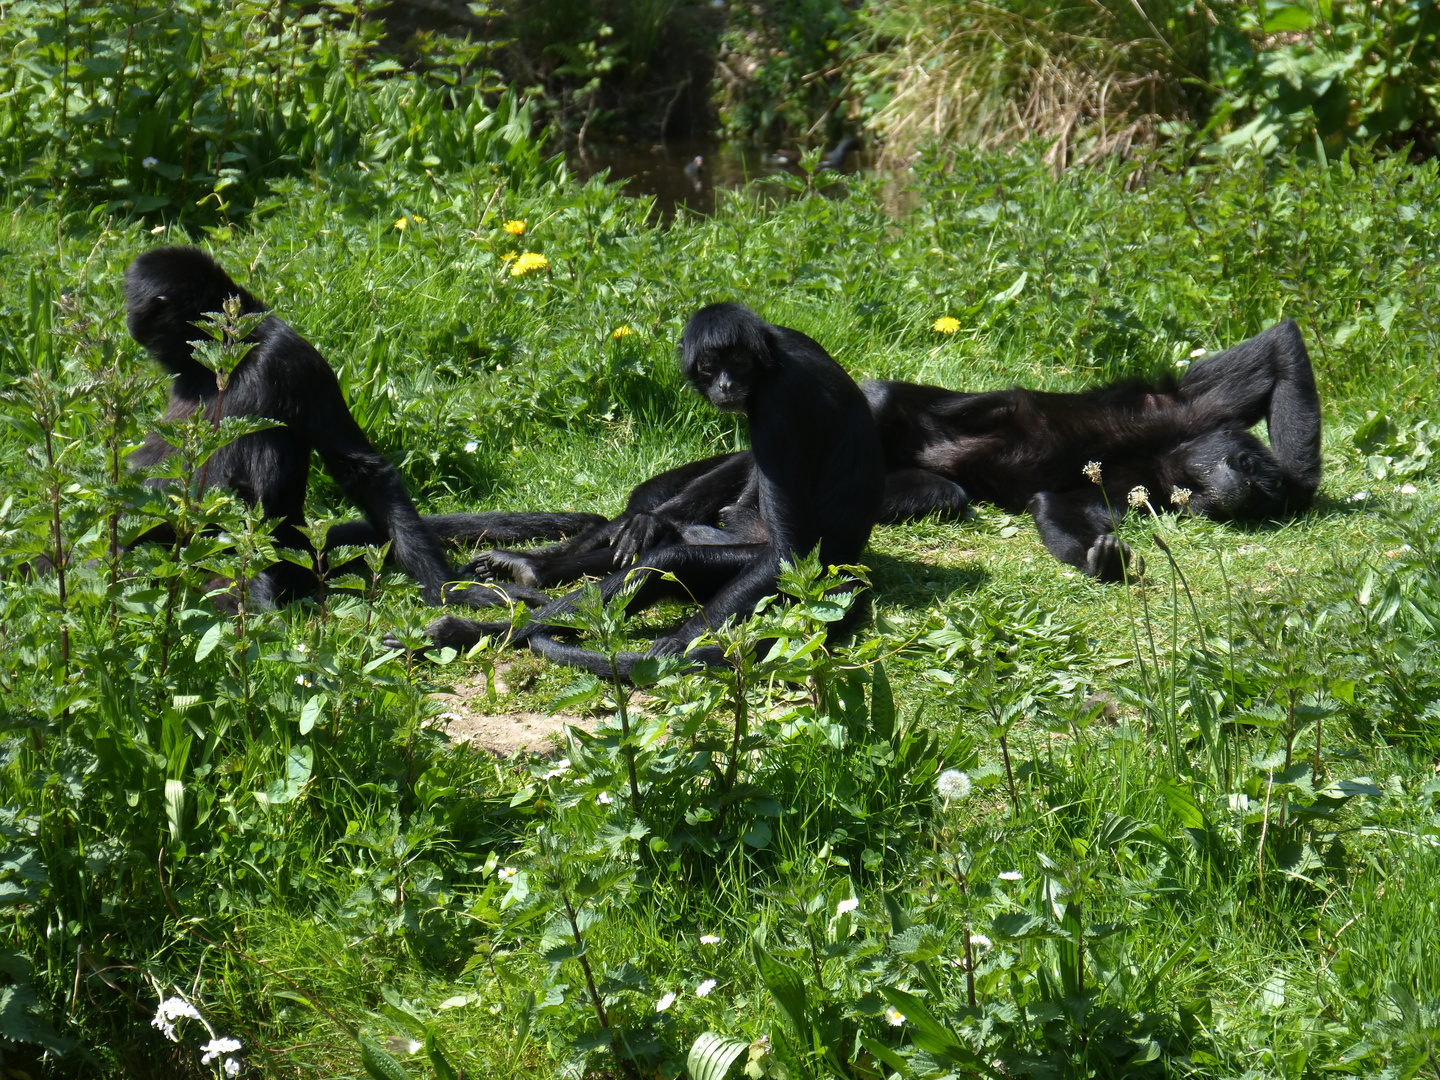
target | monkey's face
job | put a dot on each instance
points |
(724, 378)
(1234, 476)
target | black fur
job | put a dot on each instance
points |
(283, 378)
(817, 480)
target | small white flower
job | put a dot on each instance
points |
(979, 941)
(604, 798)
(709, 939)
(505, 873)
(1195, 354)
(171, 1010)
(844, 907)
(1360, 496)
(703, 990)
(1009, 875)
(301, 680)
(157, 230)
(1182, 363)
(559, 770)
(893, 1016)
(1408, 489)
(665, 1003)
(471, 446)
(149, 162)
(217, 1048)
(302, 648)
(953, 784)
(232, 1067)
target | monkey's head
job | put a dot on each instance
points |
(725, 349)
(167, 291)
(1233, 475)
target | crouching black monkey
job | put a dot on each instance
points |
(284, 378)
(1023, 449)
(818, 477)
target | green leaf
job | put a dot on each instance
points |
(758, 835)
(1288, 18)
(175, 807)
(1182, 804)
(209, 640)
(1018, 925)
(882, 703)
(438, 1061)
(712, 1055)
(311, 713)
(786, 987)
(928, 1033)
(1013, 291)
(379, 1064)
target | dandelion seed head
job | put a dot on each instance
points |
(1092, 471)
(946, 324)
(703, 990)
(953, 784)
(893, 1016)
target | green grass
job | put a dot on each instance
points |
(360, 895)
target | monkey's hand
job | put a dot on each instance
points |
(640, 533)
(1108, 558)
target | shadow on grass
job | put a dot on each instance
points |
(913, 583)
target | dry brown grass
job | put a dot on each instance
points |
(1096, 80)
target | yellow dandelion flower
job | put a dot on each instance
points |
(531, 260)
(622, 332)
(514, 228)
(404, 220)
(946, 324)
(401, 223)
(509, 256)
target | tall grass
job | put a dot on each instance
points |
(1092, 79)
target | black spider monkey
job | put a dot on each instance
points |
(1027, 450)
(283, 378)
(817, 477)
(1024, 449)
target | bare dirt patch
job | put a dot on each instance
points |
(467, 719)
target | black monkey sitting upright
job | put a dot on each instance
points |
(1024, 449)
(1027, 450)
(818, 477)
(283, 378)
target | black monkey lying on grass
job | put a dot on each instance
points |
(1022, 449)
(817, 474)
(1028, 450)
(283, 378)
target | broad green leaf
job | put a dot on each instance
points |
(712, 1055)
(209, 640)
(786, 987)
(379, 1064)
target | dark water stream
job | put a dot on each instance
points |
(668, 170)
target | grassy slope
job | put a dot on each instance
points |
(1118, 281)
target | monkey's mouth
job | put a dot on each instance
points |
(727, 402)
